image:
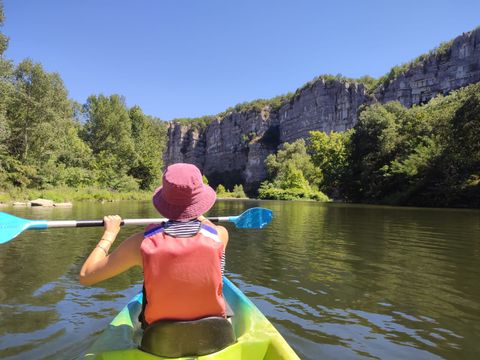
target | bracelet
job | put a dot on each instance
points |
(105, 239)
(101, 247)
(114, 234)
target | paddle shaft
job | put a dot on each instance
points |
(11, 226)
(93, 223)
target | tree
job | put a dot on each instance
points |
(5, 73)
(42, 131)
(38, 111)
(291, 156)
(292, 174)
(372, 148)
(149, 137)
(108, 130)
(3, 38)
(330, 155)
(220, 190)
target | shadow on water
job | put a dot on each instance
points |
(338, 281)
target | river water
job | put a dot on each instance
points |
(338, 281)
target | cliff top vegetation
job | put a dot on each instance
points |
(274, 104)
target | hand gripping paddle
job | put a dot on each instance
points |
(12, 226)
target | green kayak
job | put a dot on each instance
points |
(256, 337)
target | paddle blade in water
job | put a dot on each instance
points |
(254, 218)
(11, 226)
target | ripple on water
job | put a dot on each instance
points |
(338, 281)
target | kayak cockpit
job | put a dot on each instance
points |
(256, 338)
(175, 339)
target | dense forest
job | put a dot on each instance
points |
(49, 141)
(428, 155)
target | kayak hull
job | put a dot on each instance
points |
(257, 338)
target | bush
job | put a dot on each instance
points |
(124, 183)
(237, 192)
(268, 191)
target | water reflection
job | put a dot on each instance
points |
(339, 281)
(381, 281)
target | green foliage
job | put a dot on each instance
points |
(325, 77)
(64, 194)
(290, 158)
(247, 138)
(3, 38)
(220, 190)
(199, 123)
(369, 82)
(258, 105)
(119, 149)
(397, 70)
(149, 138)
(426, 155)
(268, 191)
(108, 129)
(292, 174)
(330, 155)
(236, 193)
(38, 114)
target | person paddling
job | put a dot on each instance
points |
(182, 259)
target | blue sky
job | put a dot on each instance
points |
(188, 58)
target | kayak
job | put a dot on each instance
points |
(256, 337)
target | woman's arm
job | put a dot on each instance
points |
(100, 265)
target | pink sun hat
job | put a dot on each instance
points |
(183, 195)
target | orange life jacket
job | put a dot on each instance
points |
(182, 276)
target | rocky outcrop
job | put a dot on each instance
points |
(186, 143)
(326, 105)
(444, 70)
(42, 202)
(231, 149)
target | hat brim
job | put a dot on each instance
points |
(199, 205)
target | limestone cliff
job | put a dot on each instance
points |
(232, 148)
(451, 67)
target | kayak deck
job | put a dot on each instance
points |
(257, 338)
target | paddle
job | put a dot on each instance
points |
(12, 226)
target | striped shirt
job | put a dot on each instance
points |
(183, 229)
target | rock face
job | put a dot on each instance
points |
(229, 151)
(327, 105)
(232, 149)
(456, 66)
(185, 144)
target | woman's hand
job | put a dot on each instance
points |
(101, 265)
(111, 224)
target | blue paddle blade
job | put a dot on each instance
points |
(254, 218)
(11, 226)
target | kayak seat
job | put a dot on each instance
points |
(169, 338)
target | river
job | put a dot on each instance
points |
(338, 281)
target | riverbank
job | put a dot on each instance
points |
(66, 194)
